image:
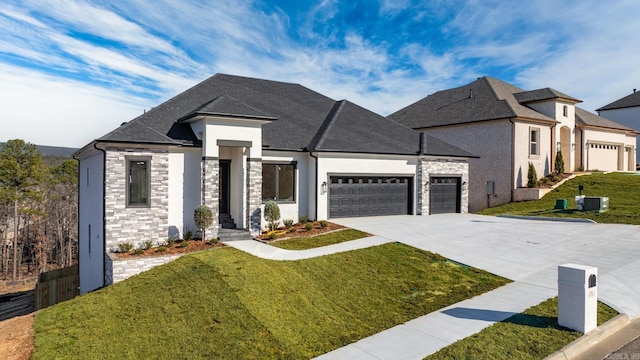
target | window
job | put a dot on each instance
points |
(278, 182)
(138, 182)
(534, 140)
(565, 111)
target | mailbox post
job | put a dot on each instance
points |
(578, 297)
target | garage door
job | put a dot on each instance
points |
(444, 195)
(351, 196)
(602, 157)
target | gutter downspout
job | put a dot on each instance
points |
(104, 209)
(79, 212)
(315, 185)
(513, 156)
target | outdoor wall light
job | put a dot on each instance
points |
(573, 146)
(464, 185)
(323, 188)
(558, 145)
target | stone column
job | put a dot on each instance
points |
(210, 193)
(254, 196)
(422, 187)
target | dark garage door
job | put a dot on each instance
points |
(351, 196)
(444, 195)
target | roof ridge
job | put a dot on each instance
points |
(320, 136)
(513, 112)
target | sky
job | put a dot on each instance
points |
(71, 71)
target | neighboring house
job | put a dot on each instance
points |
(233, 143)
(508, 127)
(626, 111)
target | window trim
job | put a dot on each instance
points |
(537, 142)
(295, 183)
(565, 110)
(129, 160)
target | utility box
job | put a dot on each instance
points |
(578, 297)
(592, 203)
(561, 204)
(580, 202)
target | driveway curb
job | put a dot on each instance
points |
(522, 217)
(587, 341)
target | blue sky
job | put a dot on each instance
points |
(70, 71)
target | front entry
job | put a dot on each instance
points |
(224, 194)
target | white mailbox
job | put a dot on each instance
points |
(578, 297)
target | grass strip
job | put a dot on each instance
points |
(336, 237)
(224, 303)
(533, 334)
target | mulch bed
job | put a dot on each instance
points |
(194, 245)
(299, 230)
(560, 177)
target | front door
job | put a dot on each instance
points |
(224, 190)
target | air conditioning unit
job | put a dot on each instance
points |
(596, 203)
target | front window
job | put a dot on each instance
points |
(278, 182)
(138, 182)
(534, 141)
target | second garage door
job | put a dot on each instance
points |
(444, 195)
(352, 196)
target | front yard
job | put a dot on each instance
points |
(623, 190)
(223, 303)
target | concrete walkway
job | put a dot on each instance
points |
(526, 251)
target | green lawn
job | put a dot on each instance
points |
(224, 303)
(302, 243)
(622, 189)
(534, 334)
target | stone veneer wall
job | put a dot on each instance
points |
(135, 224)
(254, 196)
(210, 192)
(117, 269)
(426, 168)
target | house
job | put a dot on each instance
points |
(508, 128)
(626, 111)
(233, 143)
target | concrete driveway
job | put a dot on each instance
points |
(526, 251)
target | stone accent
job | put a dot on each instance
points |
(210, 192)
(253, 207)
(117, 269)
(135, 224)
(427, 168)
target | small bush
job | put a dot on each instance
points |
(125, 246)
(559, 165)
(302, 219)
(148, 244)
(171, 242)
(188, 235)
(581, 168)
(273, 235)
(214, 241)
(532, 176)
(184, 244)
(288, 223)
(203, 217)
(161, 249)
(324, 223)
(138, 251)
(308, 226)
(272, 214)
(545, 181)
(292, 230)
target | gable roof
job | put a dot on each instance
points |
(484, 99)
(302, 119)
(583, 117)
(625, 102)
(543, 94)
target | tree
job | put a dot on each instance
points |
(559, 165)
(203, 218)
(272, 214)
(20, 174)
(532, 176)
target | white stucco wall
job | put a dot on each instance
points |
(542, 162)
(222, 129)
(627, 116)
(491, 140)
(184, 189)
(361, 164)
(601, 155)
(91, 246)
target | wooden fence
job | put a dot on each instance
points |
(57, 286)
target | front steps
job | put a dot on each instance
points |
(225, 234)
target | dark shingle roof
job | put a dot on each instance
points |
(627, 101)
(436, 147)
(484, 99)
(304, 119)
(543, 94)
(584, 117)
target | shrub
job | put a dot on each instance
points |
(185, 243)
(532, 176)
(272, 214)
(544, 181)
(302, 219)
(188, 235)
(203, 218)
(308, 226)
(214, 241)
(273, 235)
(324, 223)
(138, 251)
(559, 165)
(292, 230)
(161, 249)
(288, 223)
(171, 242)
(581, 168)
(148, 244)
(125, 246)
